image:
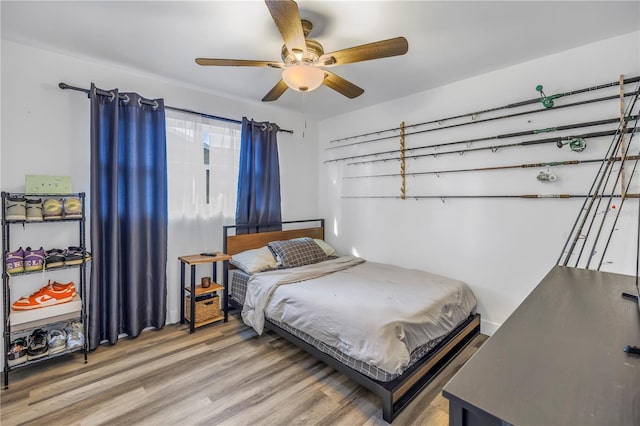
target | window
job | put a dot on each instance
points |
(202, 160)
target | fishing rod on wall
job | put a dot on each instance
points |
(605, 177)
(617, 216)
(546, 101)
(591, 196)
(488, 138)
(613, 148)
(590, 101)
(443, 198)
(624, 191)
(593, 251)
(602, 177)
(481, 169)
(578, 142)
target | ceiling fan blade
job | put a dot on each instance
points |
(286, 16)
(341, 85)
(366, 52)
(276, 92)
(237, 63)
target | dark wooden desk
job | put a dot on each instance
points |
(558, 359)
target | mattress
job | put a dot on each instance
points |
(238, 288)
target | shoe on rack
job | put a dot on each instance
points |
(34, 259)
(46, 296)
(54, 258)
(15, 208)
(78, 250)
(70, 286)
(75, 335)
(17, 353)
(34, 210)
(15, 261)
(52, 209)
(74, 256)
(72, 208)
(38, 346)
(57, 341)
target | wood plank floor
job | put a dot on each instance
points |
(221, 375)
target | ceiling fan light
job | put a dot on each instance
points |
(298, 54)
(303, 78)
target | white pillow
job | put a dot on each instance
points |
(256, 260)
(330, 251)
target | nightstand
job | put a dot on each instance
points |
(196, 291)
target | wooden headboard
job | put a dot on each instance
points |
(238, 243)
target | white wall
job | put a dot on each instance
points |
(45, 130)
(501, 247)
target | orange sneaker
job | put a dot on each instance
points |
(62, 287)
(46, 296)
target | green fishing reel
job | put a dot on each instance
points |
(546, 101)
(576, 144)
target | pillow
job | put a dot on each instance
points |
(297, 252)
(330, 251)
(256, 260)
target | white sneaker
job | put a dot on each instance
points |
(34, 210)
(15, 208)
(75, 335)
(57, 340)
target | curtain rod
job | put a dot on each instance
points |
(66, 86)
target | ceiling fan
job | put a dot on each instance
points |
(304, 61)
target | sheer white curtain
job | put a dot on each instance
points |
(202, 161)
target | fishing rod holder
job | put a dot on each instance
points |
(576, 144)
(546, 101)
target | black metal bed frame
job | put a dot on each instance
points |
(398, 393)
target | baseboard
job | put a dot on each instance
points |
(488, 327)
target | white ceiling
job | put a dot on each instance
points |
(448, 41)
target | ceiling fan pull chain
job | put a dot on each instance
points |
(304, 112)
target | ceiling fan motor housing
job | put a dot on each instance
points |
(314, 51)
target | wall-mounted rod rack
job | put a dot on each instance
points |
(509, 106)
(487, 138)
(518, 166)
(528, 196)
(496, 148)
(589, 101)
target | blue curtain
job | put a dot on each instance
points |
(128, 216)
(258, 202)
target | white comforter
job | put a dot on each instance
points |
(373, 312)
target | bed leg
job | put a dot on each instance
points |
(387, 408)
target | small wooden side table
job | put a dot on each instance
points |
(193, 261)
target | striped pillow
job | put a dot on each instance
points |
(297, 252)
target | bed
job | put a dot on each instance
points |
(307, 296)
